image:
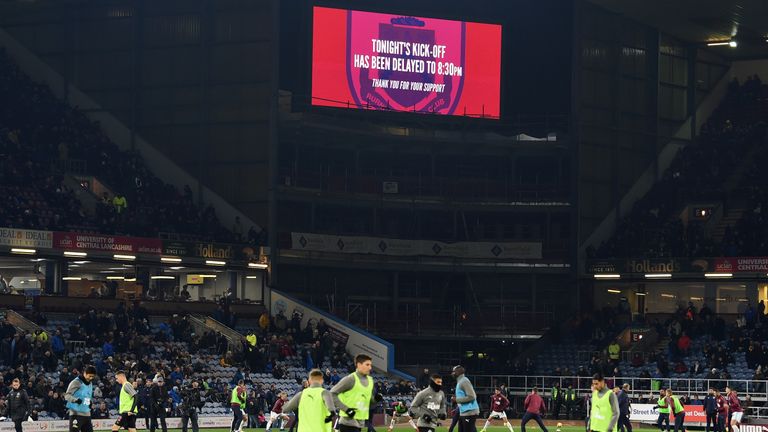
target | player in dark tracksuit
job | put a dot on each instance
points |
(625, 406)
(18, 404)
(710, 409)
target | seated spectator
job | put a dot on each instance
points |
(697, 369)
(39, 132)
(101, 412)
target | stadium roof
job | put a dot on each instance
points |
(702, 21)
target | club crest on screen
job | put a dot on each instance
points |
(405, 63)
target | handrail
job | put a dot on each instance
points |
(202, 323)
(758, 412)
(20, 322)
(472, 189)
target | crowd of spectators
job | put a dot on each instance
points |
(41, 137)
(126, 339)
(653, 228)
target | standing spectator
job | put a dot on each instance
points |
(237, 229)
(684, 344)
(625, 408)
(252, 409)
(190, 405)
(557, 400)
(158, 404)
(145, 400)
(614, 353)
(571, 402)
(120, 203)
(424, 379)
(57, 343)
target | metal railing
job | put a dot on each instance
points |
(74, 346)
(70, 166)
(423, 320)
(757, 412)
(20, 322)
(468, 189)
(757, 390)
(205, 323)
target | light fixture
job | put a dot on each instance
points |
(641, 294)
(162, 277)
(257, 265)
(251, 277)
(607, 276)
(720, 299)
(658, 276)
(667, 295)
(215, 263)
(697, 298)
(718, 275)
(613, 291)
(170, 260)
(177, 268)
(743, 300)
(124, 257)
(115, 277)
(731, 43)
(207, 276)
(75, 254)
(71, 278)
(22, 251)
(130, 279)
(81, 262)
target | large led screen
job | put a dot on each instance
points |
(380, 61)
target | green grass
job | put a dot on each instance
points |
(405, 428)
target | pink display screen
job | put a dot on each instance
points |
(379, 61)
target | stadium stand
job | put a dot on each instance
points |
(710, 168)
(132, 340)
(43, 141)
